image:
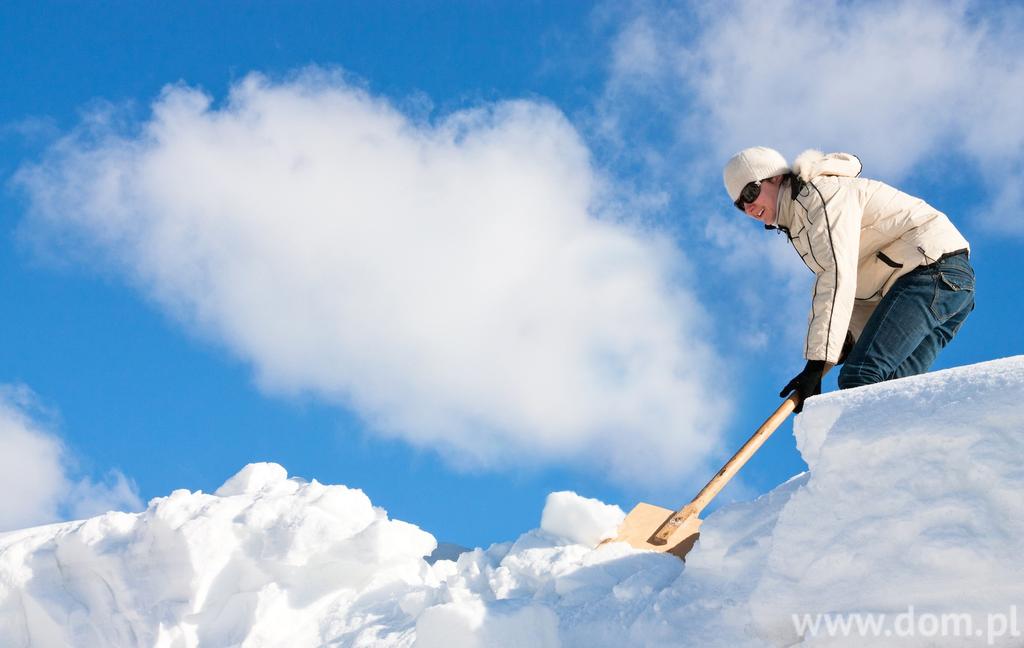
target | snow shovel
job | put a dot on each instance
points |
(660, 529)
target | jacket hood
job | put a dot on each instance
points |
(811, 163)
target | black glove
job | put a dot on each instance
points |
(807, 383)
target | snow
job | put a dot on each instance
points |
(910, 508)
(582, 520)
(922, 506)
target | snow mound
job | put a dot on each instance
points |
(265, 562)
(914, 499)
(254, 478)
(910, 514)
(581, 520)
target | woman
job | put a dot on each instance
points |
(893, 282)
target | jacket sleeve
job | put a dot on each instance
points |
(833, 232)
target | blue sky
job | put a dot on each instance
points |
(532, 279)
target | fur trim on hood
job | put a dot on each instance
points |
(811, 163)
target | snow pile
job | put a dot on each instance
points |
(268, 560)
(582, 520)
(914, 499)
(911, 510)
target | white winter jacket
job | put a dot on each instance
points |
(858, 236)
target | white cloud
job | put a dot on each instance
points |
(1004, 212)
(635, 51)
(31, 476)
(459, 284)
(35, 478)
(905, 85)
(86, 498)
(772, 284)
(894, 81)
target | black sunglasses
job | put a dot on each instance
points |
(748, 194)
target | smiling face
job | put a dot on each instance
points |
(763, 208)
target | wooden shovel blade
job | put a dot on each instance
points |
(644, 521)
(659, 529)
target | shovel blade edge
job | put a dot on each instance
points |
(639, 527)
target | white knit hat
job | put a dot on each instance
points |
(750, 165)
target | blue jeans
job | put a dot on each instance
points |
(914, 320)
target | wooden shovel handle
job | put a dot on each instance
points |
(731, 467)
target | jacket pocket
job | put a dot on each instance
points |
(887, 261)
(872, 274)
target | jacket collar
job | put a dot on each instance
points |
(784, 208)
